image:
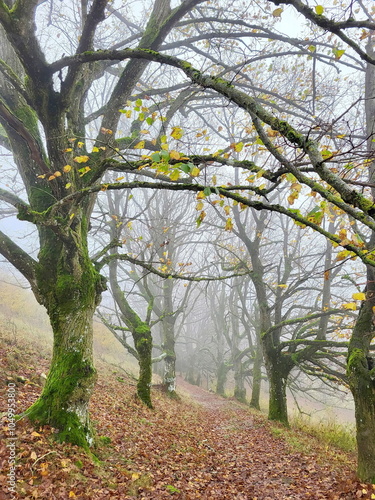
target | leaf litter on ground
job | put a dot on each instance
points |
(201, 447)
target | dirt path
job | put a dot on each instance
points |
(253, 459)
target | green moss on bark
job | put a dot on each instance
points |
(143, 344)
(63, 402)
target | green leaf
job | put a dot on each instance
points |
(184, 167)
(319, 9)
(207, 191)
(138, 102)
(149, 120)
(155, 157)
(165, 155)
(338, 53)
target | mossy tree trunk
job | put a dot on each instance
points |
(361, 375)
(70, 288)
(141, 333)
(239, 381)
(221, 377)
(360, 363)
(278, 369)
(168, 339)
(257, 376)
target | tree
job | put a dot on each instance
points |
(43, 120)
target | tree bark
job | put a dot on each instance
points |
(257, 376)
(70, 288)
(239, 379)
(141, 333)
(361, 375)
(168, 333)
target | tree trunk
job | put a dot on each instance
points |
(168, 324)
(239, 379)
(257, 377)
(278, 409)
(143, 343)
(141, 334)
(278, 367)
(361, 375)
(64, 401)
(222, 372)
(70, 288)
(363, 390)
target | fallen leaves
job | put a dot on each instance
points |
(205, 447)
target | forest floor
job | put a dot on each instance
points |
(200, 447)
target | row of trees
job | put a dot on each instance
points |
(224, 107)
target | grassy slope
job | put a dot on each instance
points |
(180, 449)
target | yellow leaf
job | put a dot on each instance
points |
(120, 178)
(296, 187)
(199, 206)
(83, 171)
(72, 494)
(238, 147)
(67, 186)
(195, 172)
(95, 149)
(359, 296)
(80, 144)
(67, 150)
(350, 305)
(67, 168)
(41, 176)
(175, 155)
(277, 12)
(164, 147)
(201, 195)
(227, 209)
(342, 255)
(140, 145)
(229, 225)
(33, 455)
(175, 175)
(71, 216)
(282, 285)
(57, 174)
(81, 159)
(106, 131)
(35, 434)
(135, 476)
(177, 132)
(51, 177)
(319, 9)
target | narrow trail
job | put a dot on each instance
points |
(253, 459)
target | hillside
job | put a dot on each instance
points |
(201, 447)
